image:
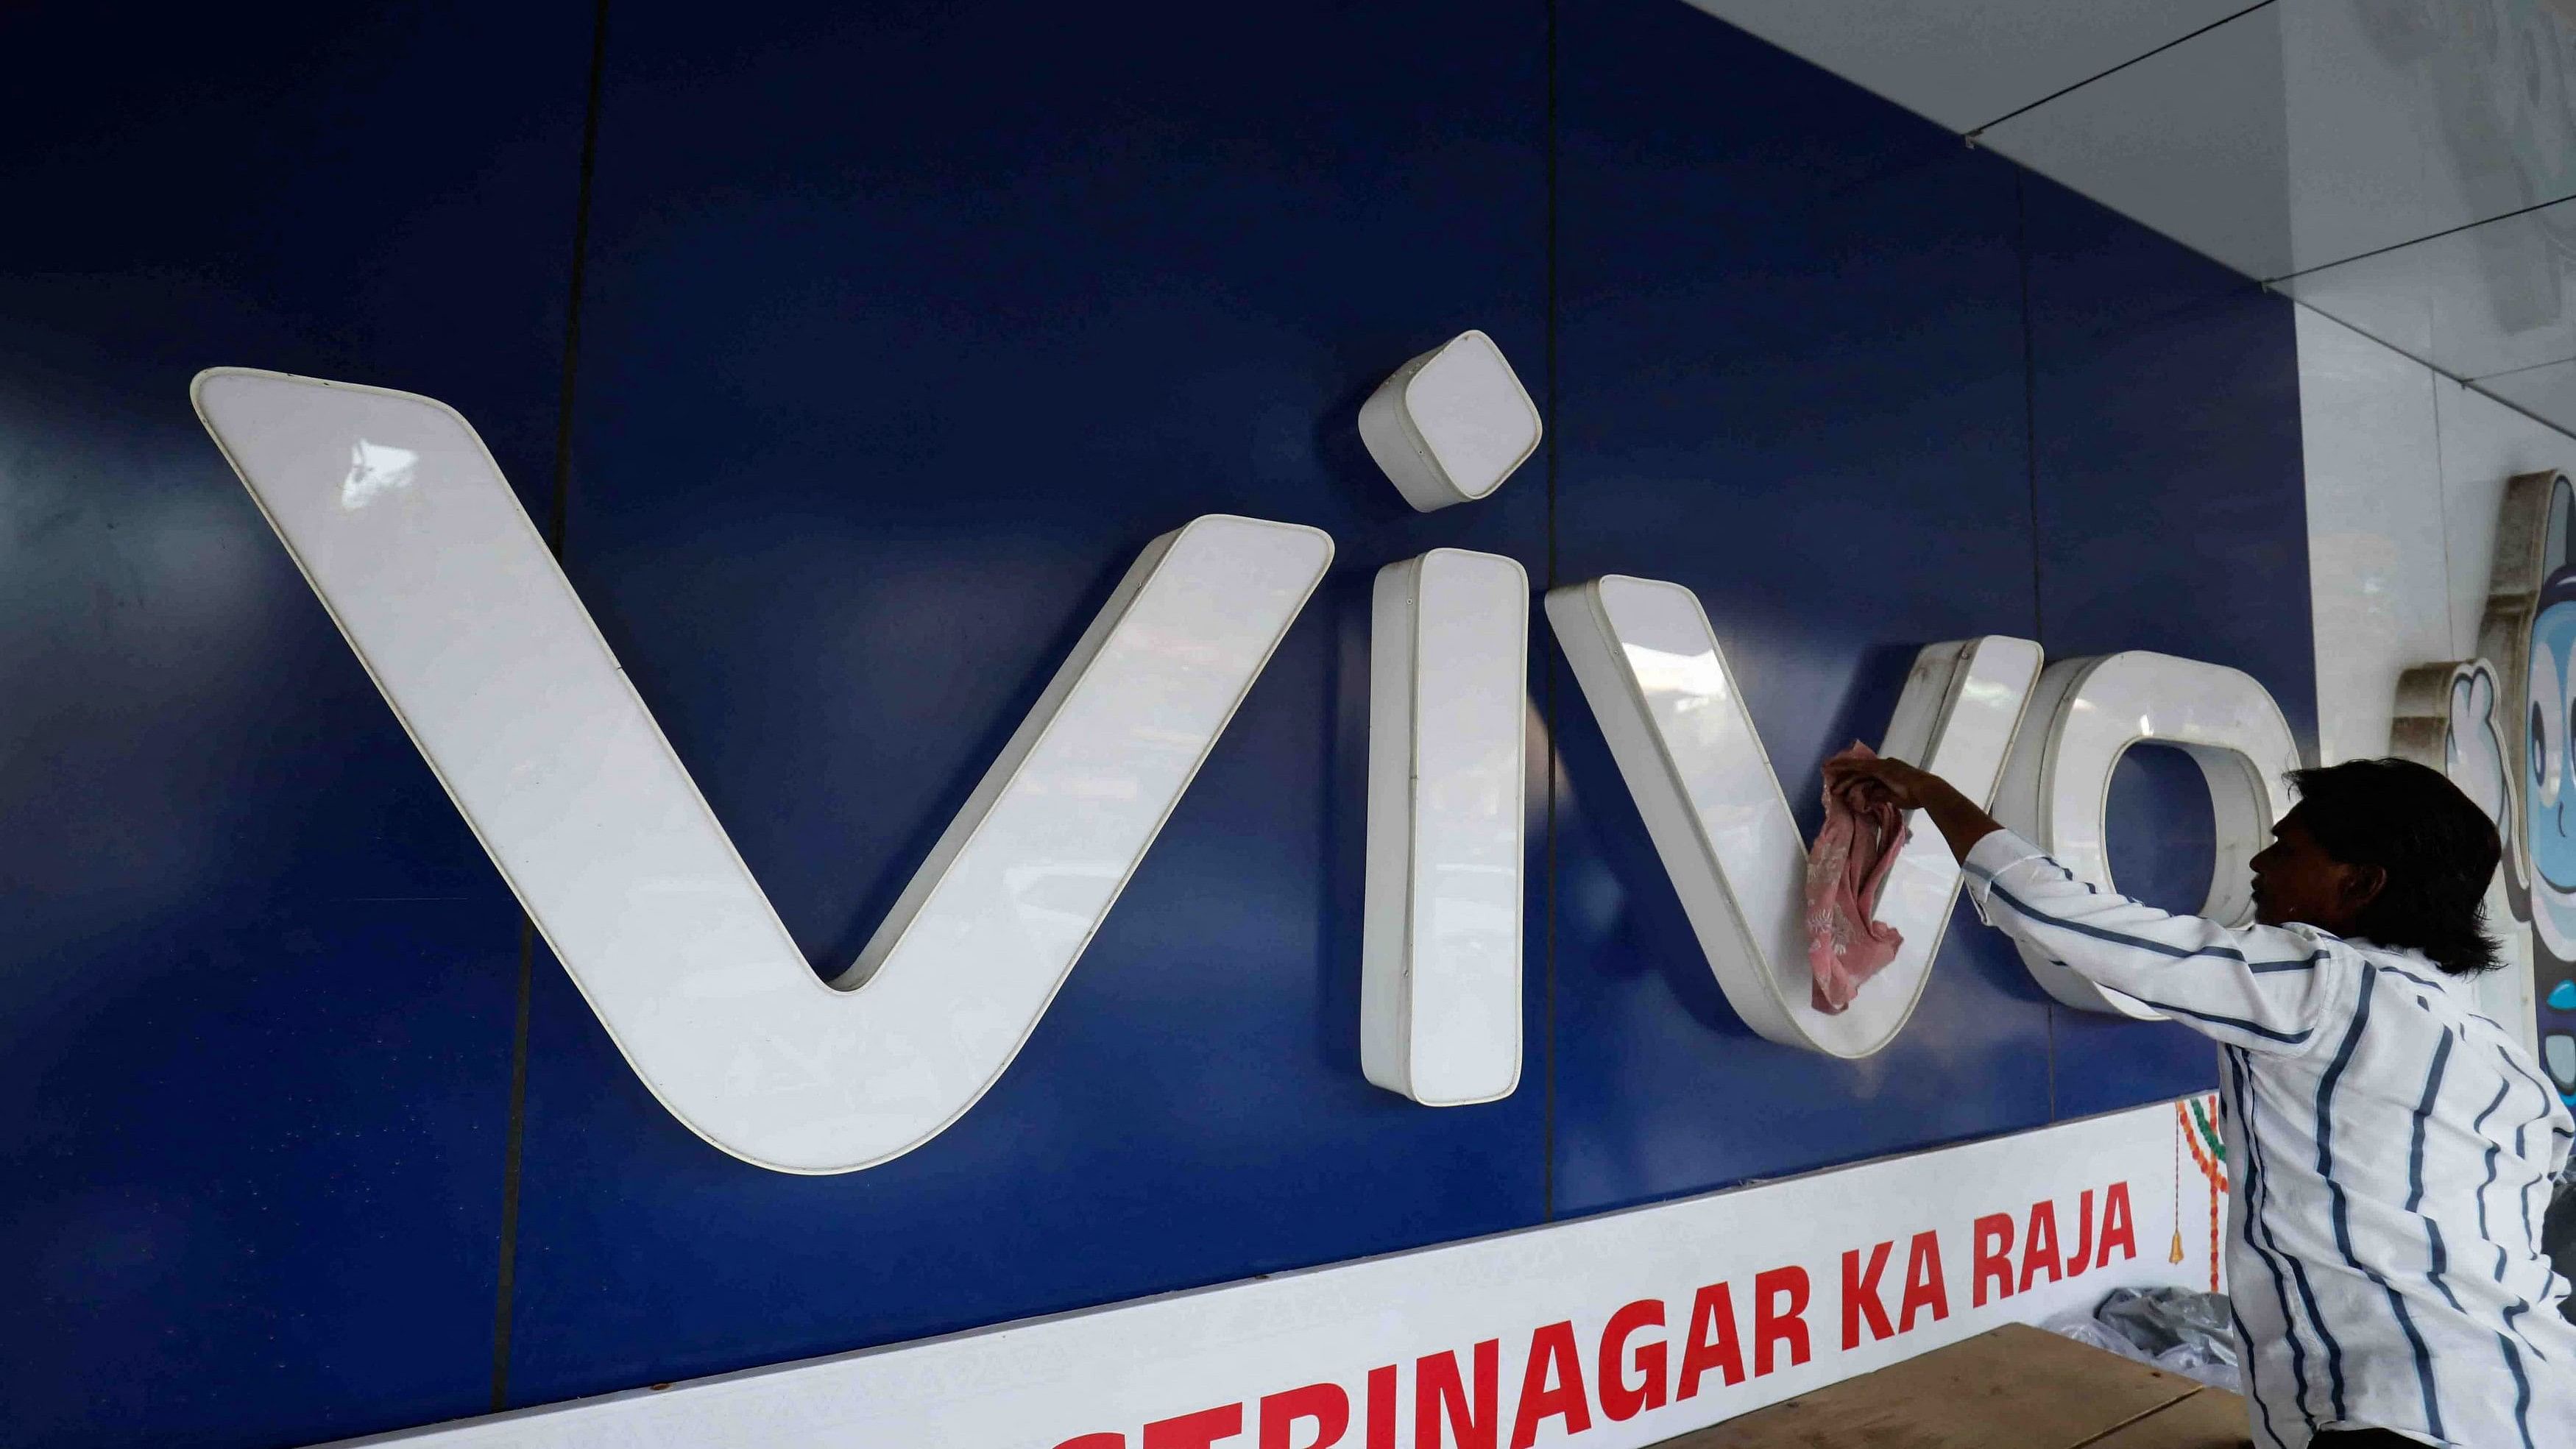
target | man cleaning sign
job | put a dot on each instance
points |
(2398, 1147)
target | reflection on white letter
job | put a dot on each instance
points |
(1440, 981)
(450, 598)
(1658, 682)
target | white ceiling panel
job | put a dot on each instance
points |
(1965, 63)
(2405, 166)
(2192, 141)
(2493, 297)
(2547, 393)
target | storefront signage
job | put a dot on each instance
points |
(403, 524)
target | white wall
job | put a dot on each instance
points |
(2406, 472)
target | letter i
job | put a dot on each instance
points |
(1440, 932)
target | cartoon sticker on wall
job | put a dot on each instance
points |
(2498, 725)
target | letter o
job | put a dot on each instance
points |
(2083, 717)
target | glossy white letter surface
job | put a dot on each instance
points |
(1440, 980)
(401, 521)
(1684, 740)
(2086, 714)
(1452, 424)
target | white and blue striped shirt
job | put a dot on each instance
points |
(2391, 1156)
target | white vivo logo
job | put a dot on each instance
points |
(401, 521)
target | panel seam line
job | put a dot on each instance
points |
(514, 1150)
(1547, 1127)
(1972, 134)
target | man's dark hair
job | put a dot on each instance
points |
(2437, 847)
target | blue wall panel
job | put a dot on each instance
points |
(2173, 517)
(1790, 379)
(906, 326)
(256, 978)
(907, 334)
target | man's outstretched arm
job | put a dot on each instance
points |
(1958, 818)
(2259, 987)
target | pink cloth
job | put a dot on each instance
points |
(1845, 872)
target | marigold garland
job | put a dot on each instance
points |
(2196, 1127)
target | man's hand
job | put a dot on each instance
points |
(1884, 781)
(1897, 783)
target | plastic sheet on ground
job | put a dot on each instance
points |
(2175, 1329)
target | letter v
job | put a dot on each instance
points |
(1684, 740)
(399, 518)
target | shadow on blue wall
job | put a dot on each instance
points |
(904, 330)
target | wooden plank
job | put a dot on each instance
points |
(2016, 1387)
(2210, 1419)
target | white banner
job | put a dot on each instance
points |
(1619, 1330)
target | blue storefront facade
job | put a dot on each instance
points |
(900, 330)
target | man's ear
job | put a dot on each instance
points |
(2362, 885)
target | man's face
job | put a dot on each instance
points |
(2295, 880)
